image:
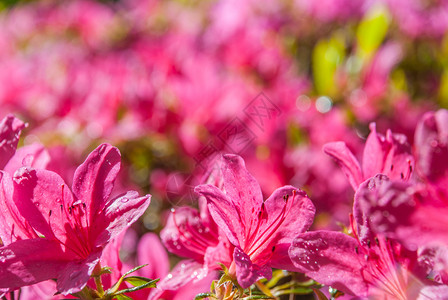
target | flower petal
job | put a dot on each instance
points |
(246, 271)
(223, 212)
(13, 226)
(34, 155)
(330, 258)
(46, 202)
(26, 262)
(285, 214)
(94, 178)
(431, 145)
(10, 128)
(390, 155)
(347, 161)
(118, 215)
(242, 189)
(185, 234)
(75, 275)
(150, 251)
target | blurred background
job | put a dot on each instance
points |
(175, 83)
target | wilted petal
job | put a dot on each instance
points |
(331, 259)
(10, 128)
(26, 262)
(347, 161)
(247, 272)
(118, 214)
(94, 178)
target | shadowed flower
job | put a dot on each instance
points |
(367, 264)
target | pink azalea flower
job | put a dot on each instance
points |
(364, 265)
(415, 214)
(389, 155)
(66, 230)
(260, 231)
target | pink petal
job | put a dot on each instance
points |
(224, 213)
(13, 226)
(347, 161)
(75, 275)
(46, 202)
(10, 128)
(185, 235)
(242, 189)
(34, 155)
(369, 191)
(118, 215)
(431, 145)
(299, 212)
(439, 292)
(30, 261)
(330, 258)
(248, 273)
(390, 155)
(150, 251)
(396, 209)
(182, 274)
(44, 290)
(221, 253)
(94, 178)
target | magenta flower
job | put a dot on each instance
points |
(260, 231)
(364, 265)
(69, 228)
(389, 155)
(415, 214)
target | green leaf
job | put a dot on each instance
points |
(276, 276)
(115, 287)
(372, 30)
(203, 295)
(327, 56)
(150, 284)
(296, 291)
(137, 280)
(123, 297)
(258, 297)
